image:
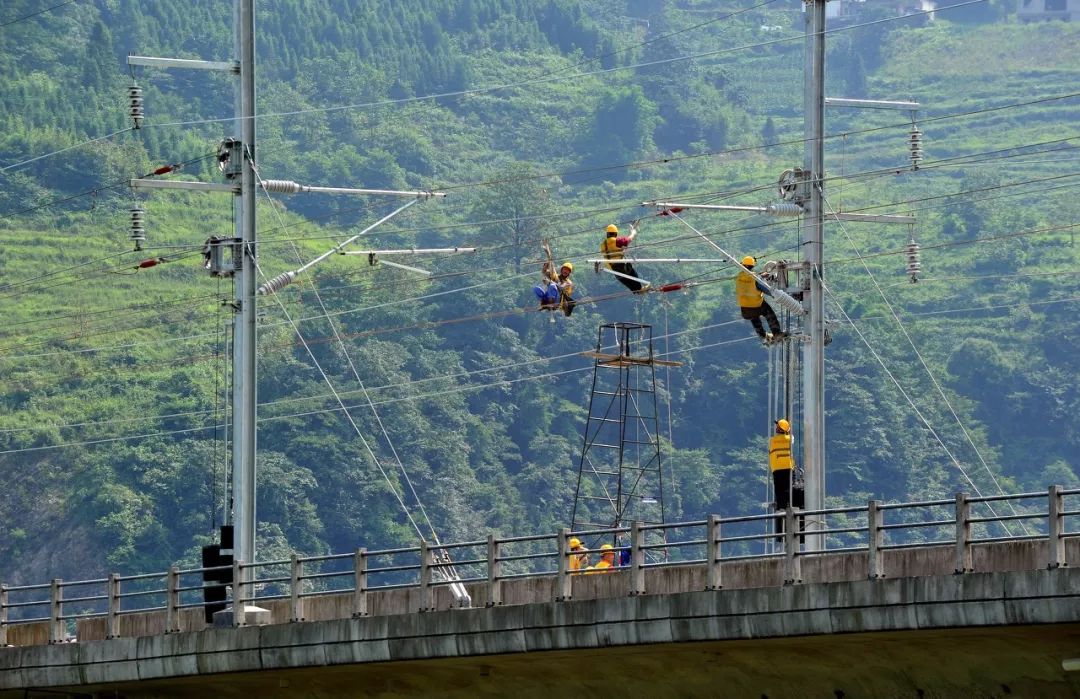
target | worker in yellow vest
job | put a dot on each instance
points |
(613, 249)
(782, 463)
(579, 556)
(751, 296)
(606, 564)
(557, 290)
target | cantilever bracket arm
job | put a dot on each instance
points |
(285, 278)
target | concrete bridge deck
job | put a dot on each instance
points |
(928, 633)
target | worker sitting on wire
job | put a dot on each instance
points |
(751, 294)
(579, 557)
(556, 291)
(613, 249)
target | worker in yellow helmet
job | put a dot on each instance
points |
(579, 558)
(782, 465)
(751, 295)
(606, 564)
(613, 248)
(557, 290)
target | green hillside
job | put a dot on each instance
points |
(544, 119)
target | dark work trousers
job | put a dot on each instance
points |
(754, 315)
(788, 495)
(626, 268)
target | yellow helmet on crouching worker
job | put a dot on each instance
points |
(612, 229)
(783, 425)
(749, 261)
(575, 543)
(567, 265)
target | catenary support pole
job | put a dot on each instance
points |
(244, 370)
(813, 244)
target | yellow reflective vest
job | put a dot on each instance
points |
(747, 292)
(610, 249)
(602, 566)
(780, 452)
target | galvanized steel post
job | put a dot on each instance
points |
(56, 610)
(1055, 529)
(712, 547)
(963, 534)
(875, 538)
(637, 559)
(112, 621)
(3, 614)
(296, 601)
(792, 557)
(425, 577)
(563, 583)
(239, 601)
(172, 600)
(494, 566)
(360, 584)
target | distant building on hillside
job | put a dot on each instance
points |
(1040, 10)
(846, 11)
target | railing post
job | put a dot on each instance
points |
(875, 539)
(1055, 529)
(563, 583)
(239, 604)
(712, 547)
(56, 610)
(296, 602)
(792, 557)
(112, 616)
(3, 615)
(172, 600)
(425, 577)
(963, 534)
(494, 566)
(637, 559)
(360, 584)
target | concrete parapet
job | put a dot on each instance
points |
(928, 604)
(601, 614)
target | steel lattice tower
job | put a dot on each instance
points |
(620, 476)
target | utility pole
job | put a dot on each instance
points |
(813, 233)
(236, 158)
(244, 373)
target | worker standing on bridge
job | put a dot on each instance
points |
(751, 295)
(613, 249)
(579, 557)
(606, 564)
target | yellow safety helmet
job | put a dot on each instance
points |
(612, 228)
(575, 543)
(607, 547)
(748, 261)
(783, 425)
(567, 265)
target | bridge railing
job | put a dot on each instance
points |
(715, 543)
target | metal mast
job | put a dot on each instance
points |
(813, 233)
(244, 373)
(236, 158)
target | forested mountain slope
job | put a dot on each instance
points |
(540, 119)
